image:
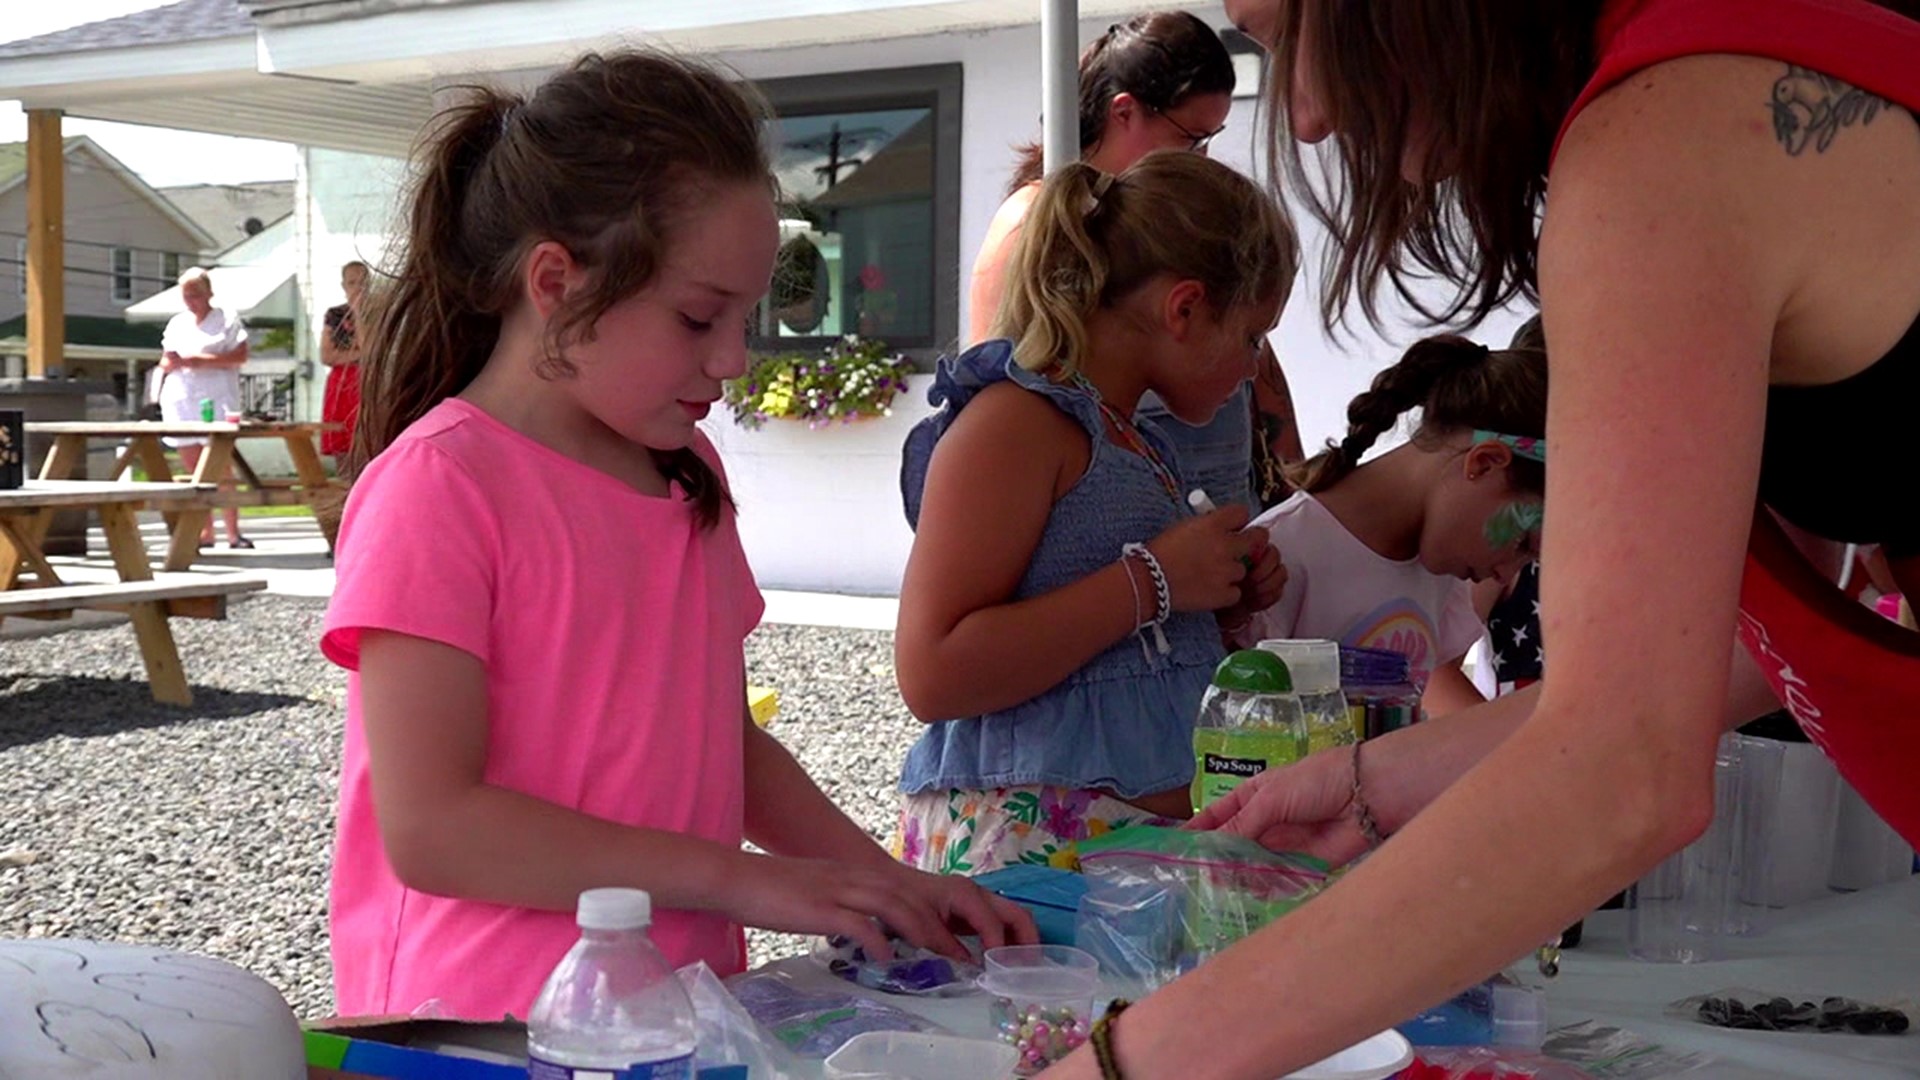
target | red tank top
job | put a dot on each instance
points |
(1851, 679)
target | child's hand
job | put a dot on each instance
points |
(1260, 589)
(862, 902)
(1202, 558)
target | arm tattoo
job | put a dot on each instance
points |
(1810, 108)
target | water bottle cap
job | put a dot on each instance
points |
(614, 909)
(1314, 664)
(1252, 671)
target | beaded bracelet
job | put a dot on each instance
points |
(1362, 813)
(1162, 596)
(1102, 1040)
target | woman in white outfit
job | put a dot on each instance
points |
(201, 354)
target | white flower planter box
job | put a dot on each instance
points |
(820, 507)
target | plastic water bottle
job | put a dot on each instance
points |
(1250, 721)
(612, 1009)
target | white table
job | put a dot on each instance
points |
(1864, 945)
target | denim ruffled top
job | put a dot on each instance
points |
(1123, 722)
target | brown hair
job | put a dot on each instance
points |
(1458, 386)
(1492, 87)
(607, 158)
(1092, 238)
(1160, 58)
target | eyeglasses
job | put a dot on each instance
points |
(1196, 140)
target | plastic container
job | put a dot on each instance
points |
(207, 409)
(903, 1055)
(1378, 1058)
(1315, 666)
(1041, 1001)
(1250, 721)
(1519, 1015)
(613, 1005)
(1684, 909)
(1380, 692)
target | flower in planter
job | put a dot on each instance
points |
(852, 379)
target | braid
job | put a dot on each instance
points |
(1405, 385)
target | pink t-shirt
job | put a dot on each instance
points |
(611, 626)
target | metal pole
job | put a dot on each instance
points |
(1060, 80)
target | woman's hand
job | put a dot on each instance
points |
(1306, 807)
(1202, 559)
(865, 902)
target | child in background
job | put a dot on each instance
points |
(1382, 555)
(542, 595)
(1062, 609)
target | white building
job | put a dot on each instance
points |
(941, 91)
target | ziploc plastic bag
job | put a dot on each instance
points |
(729, 1035)
(813, 1021)
(1160, 901)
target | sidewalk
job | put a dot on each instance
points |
(293, 558)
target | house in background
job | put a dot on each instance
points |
(124, 241)
(232, 212)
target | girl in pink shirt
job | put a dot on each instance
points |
(542, 597)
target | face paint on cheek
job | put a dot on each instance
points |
(1511, 523)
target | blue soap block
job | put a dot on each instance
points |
(1051, 896)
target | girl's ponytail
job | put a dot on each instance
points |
(1059, 273)
(428, 334)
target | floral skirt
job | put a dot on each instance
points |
(963, 831)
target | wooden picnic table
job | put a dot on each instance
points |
(26, 514)
(219, 461)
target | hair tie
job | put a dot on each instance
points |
(1096, 192)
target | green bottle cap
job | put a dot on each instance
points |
(1253, 671)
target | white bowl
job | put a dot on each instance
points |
(1375, 1059)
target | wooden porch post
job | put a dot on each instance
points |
(46, 245)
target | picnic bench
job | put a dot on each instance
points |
(32, 587)
(221, 460)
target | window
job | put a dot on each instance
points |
(122, 273)
(869, 172)
(170, 267)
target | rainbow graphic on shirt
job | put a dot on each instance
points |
(1399, 625)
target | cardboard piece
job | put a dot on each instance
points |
(400, 1048)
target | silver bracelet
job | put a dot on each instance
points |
(1362, 813)
(1162, 596)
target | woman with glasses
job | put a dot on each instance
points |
(1160, 81)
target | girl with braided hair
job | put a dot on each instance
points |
(1382, 554)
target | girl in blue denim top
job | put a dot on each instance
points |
(1063, 607)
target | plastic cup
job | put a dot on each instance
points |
(1761, 763)
(1042, 1000)
(1681, 912)
(1801, 833)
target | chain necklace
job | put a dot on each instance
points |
(1133, 439)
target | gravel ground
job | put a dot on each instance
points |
(208, 829)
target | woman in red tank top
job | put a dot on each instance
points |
(1731, 224)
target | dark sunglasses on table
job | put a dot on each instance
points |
(1197, 140)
